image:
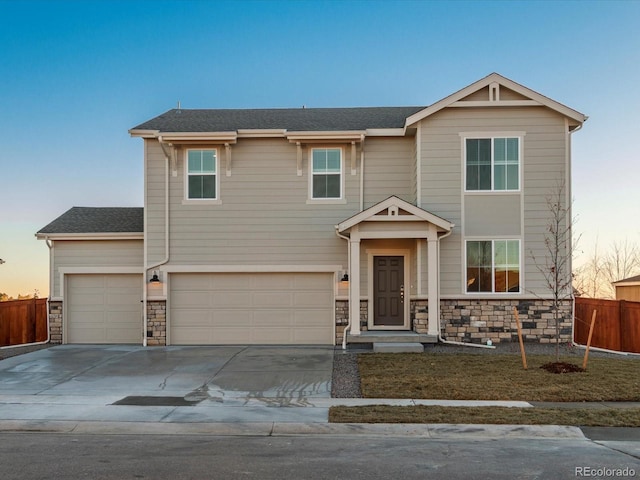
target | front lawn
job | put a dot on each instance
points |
(462, 376)
(496, 377)
(586, 417)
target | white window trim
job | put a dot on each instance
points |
(201, 201)
(491, 136)
(337, 200)
(493, 266)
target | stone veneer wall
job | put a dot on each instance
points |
(476, 321)
(342, 318)
(55, 323)
(156, 323)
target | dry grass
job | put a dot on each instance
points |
(606, 417)
(496, 377)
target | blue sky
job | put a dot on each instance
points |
(75, 76)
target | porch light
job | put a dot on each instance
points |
(345, 278)
(155, 278)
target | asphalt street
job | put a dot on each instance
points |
(68, 456)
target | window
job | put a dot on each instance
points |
(326, 173)
(492, 164)
(493, 266)
(201, 174)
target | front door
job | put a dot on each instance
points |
(388, 292)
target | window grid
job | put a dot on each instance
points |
(492, 164)
(326, 173)
(493, 266)
(202, 175)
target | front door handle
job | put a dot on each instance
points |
(401, 293)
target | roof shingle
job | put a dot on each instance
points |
(290, 119)
(97, 220)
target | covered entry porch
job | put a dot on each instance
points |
(386, 246)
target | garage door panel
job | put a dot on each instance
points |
(272, 299)
(272, 335)
(309, 318)
(192, 298)
(103, 308)
(307, 336)
(309, 281)
(231, 282)
(272, 282)
(194, 317)
(313, 299)
(231, 317)
(238, 300)
(275, 318)
(251, 308)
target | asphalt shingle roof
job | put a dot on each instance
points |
(97, 220)
(630, 279)
(291, 119)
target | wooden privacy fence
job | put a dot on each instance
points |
(617, 324)
(23, 321)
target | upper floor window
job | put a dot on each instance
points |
(326, 173)
(493, 266)
(202, 178)
(492, 164)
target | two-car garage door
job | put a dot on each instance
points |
(251, 308)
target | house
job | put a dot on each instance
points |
(628, 289)
(301, 226)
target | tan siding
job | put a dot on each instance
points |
(507, 94)
(155, 201)
(389, 169)
(95, 253)
(480, 95)
(264, 217)
(543, 163)
(492, 215)
(630, 293)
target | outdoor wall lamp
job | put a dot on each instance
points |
(155, 278)
(345, 277)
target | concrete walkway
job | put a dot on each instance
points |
(208, 390)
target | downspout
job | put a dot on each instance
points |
(361, 174)
(440, 339)
(166, 241)
(348, 327)
(50, 245)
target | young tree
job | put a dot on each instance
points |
(555, 266)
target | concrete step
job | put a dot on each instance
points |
(391, 336)
(398, 347)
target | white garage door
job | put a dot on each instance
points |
(104, 308)
(251, 308)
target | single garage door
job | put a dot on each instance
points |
(104, 308)
(251, 308)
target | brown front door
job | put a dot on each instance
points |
(388, 291)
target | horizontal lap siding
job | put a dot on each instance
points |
(442, 178)
(264, 217)
(389, 169)
(94, 253)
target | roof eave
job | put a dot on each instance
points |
(91, 236)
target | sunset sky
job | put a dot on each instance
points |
(75, 76)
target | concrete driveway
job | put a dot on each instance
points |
(168, 384)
